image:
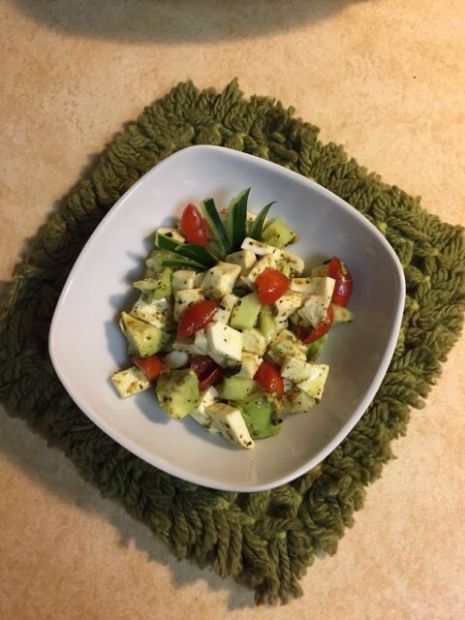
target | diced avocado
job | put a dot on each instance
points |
(156, 287)
(278, 233)
(143, 338)
(267, 324)
(154, 262)
(178, 392)
(314, 349)
(261, 416)
(315, 384)
(237, 387)
(130, 381)
(341, 314)
(245, 312)
(230, 423)
(286, 344)
(297, 401)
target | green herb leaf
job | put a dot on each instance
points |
(216, 225)
(236, 224)
(256, 227)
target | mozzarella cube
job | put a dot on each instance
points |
(207, 398)
(324, 287)
(220, 280)
(267, 262)
(296, 369)
(222, 315)
(186, 346)
(260, 249)
(314, 311)
(244, 258)
(201, 341)
(176, 359)
(158, 313)
(199, 278)
(249, 364)
(185, 298)
(130, 381)
(224, 343)
(229, 301)
(315, 384)
(286, 344)
(229, 422)
(182, 279)
(294, 264)
(253, 341)
(287, 304)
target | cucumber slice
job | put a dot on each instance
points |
(216, 225)
(341, 314)
(256, 227)
(165, 243)
(236, 223)
(197, 254)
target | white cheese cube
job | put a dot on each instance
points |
(220, 280)
(296, 369)
(281, 325)
(185, 298)
(130, 381)
(224, 342)
(293, 262)
(186, 346)
(288, 385)
(244, 258)
(314, 311)
(253, 341)
(222, 315)
(229, 301)
(267, 262)
(158, 313)
(207, 398)
(176, 359)
(172, 233)
(199, 278)
(201, 341)
(315, 384)
(182, 279)
(249, 364)
(260, 249)
(322, 286)
(286, 344)
(229, 422)
(287, 304)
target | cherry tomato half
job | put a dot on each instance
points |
(207, 370)
(193, 226)
(150, 366)
(317, 332)
(338, 270)
(196, 316)
(269, 378)
(271, 285)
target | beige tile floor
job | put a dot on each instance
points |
(384, 77)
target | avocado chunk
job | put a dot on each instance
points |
(156, 287)
(178, 392)
(278, 233)
(297, 401)
(261, 415)
(341, 314)
(237, 387)
(315, 348)
(143, 338)
(245, 312)
(267, 324)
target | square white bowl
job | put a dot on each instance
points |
(86, 345)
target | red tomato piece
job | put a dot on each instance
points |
(196, 316)
(207, 370)
(269, 378)
(338, 270)
(193, 226)
(271, 285)
(317, 332)
(150, 366)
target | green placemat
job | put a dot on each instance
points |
(265, 539)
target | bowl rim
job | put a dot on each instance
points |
(168, 466)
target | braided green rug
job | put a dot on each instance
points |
(265, 539)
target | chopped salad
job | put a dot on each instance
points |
(228, 327)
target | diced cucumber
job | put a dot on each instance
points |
(278, 233)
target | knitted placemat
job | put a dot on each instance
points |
(265, 539)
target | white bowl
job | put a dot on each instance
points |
(86, 345)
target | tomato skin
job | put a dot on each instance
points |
(207, 370)
(271, 285)
(269, 378)
(196, 316)
(193, 226)
(150, 366)
(317, 332)
(338, 270)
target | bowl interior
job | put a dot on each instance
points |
(87, 347)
